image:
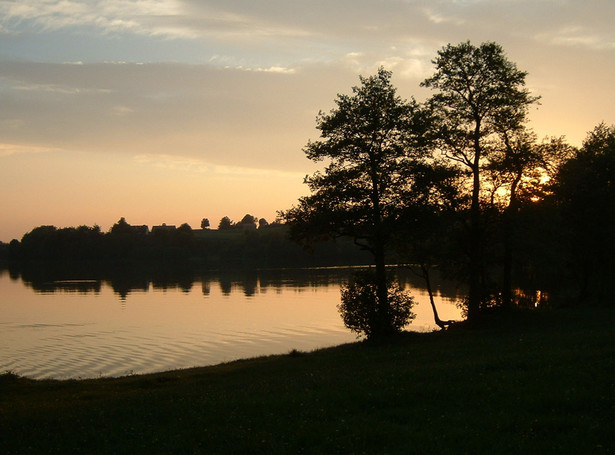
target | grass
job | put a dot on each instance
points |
(527, 382)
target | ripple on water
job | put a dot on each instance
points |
(58, 336)
(121, 353)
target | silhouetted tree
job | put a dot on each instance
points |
(428, 226)
(481, 95)
(368, 140)
(584, 192)
(225, 223)
(517, 174)
(40, 243)
(14, 252)
(185, 228)
(121, 227)
(248, 221)
(360, 306)
(205, 223)
(66, 244)
(262, 223)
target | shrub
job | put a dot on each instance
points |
(363, 313)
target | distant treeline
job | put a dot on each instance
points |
(241, 246)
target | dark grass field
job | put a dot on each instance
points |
(521, 382)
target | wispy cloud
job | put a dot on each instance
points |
(230, 63)
(53, 88)
(442, 18)
(106, 15)
(165, 18)
(195, 165)
(22, 149)
(578, 36)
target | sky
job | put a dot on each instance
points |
(171, 111)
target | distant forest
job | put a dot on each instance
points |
(233, 245)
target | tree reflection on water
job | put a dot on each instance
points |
(127, 280)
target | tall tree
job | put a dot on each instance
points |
(584, 191)
(480, 95)
(369, 142)
(518, 174)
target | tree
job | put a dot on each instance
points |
(370, 141)
(248, 221)
(205, 223)
(359, 307)
(121, 227)
(518, 174)
(262, 223)
(584, 191)
(225, 224)
(481, 96)
(185, 228)
(428, 225)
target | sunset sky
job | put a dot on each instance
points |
(169, 111)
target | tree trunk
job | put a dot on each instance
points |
(475, 291)
(475, 288)
(383, 310)
(507, 267)
(439, 322)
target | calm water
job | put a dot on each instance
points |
(55, 328)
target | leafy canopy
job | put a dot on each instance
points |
(370, 142)
(481, 95)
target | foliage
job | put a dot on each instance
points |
(584, 192)
(51, 243)
(248, 220)
(368, 143)
(225, 223)
(362, 312)
(481, 100)
(372, 142)
(262, 223)
(48, 247)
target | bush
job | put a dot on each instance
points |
(362, 312)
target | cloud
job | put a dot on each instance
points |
(293, 32)
(229, 63)
(578, 36)
(195, 165)
(242, 81)
(107, 15)
(167, 18)
(440, 18)
(122, 111)
(23, 149)
(260, 118)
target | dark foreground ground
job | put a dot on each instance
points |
(540, 382)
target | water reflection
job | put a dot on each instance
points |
(80, 323)
(127, 281)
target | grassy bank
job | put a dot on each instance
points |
(538, 382)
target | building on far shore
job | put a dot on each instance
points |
(163, 228)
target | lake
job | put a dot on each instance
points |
(83, 328)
